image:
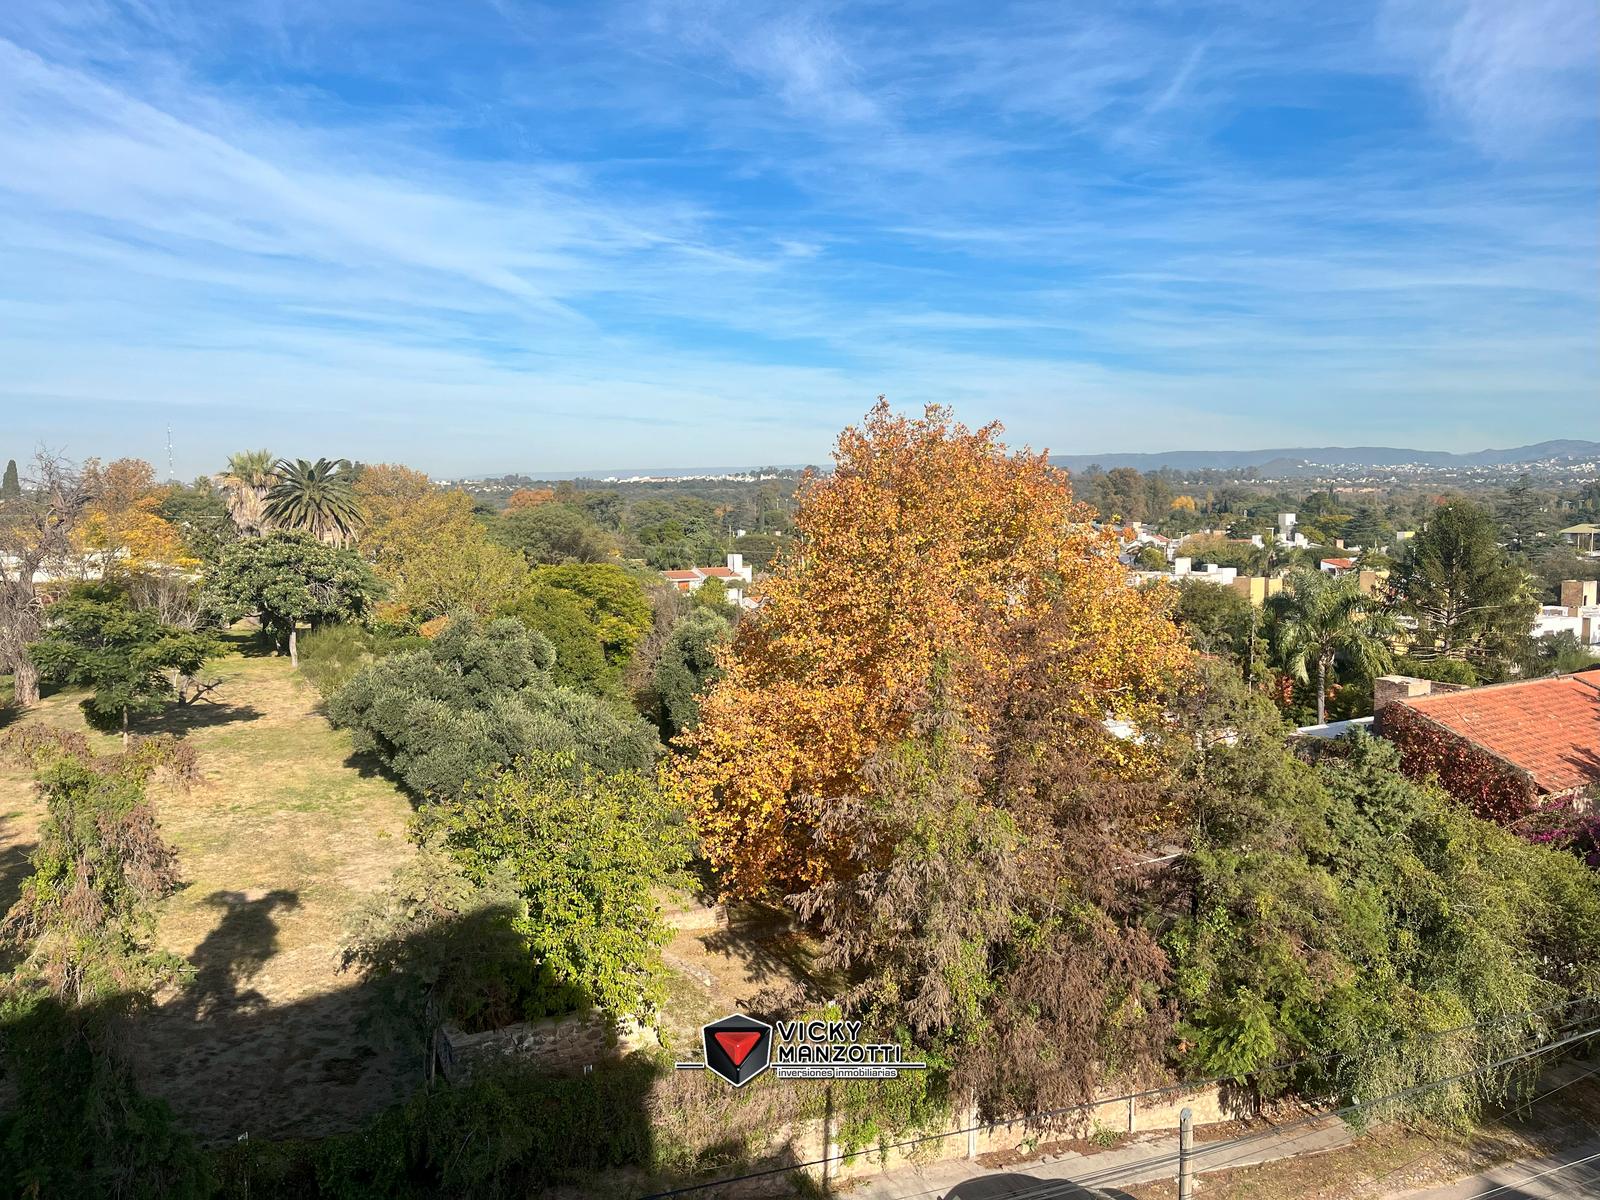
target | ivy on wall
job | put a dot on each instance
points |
(1492, 788)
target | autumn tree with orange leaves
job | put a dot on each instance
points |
(929, 559)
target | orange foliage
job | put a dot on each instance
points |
(1183, 504)
(529, 498)
(121, 529)
(928, 552)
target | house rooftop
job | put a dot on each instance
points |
(1549, 728)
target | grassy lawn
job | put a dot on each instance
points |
(279, 842)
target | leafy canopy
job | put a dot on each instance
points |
(1341, 909)
(94, 637)
(585, 852)
(480, 697)
(927, 547)
(285, 578)
(1469, 599)
(317, 498)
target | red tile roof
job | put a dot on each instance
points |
(1549, 728)
(1342, 564)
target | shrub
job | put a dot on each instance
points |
(331, 656)
(477, 698)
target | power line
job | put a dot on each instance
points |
(1177, 1087)
(1523, 1104)
(1566, 1166)
(1170, 1160)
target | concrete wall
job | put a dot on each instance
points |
(559, 1045)
(1158, 1112)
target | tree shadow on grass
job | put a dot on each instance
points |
(370, 766)
(180, 719)
(772, 946)
(235, 951)
(294, 1100)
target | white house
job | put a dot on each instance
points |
(736, 576)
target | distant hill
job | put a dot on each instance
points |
(1356, 456)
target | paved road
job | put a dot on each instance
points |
(1572, 1174)
(1147, 1158)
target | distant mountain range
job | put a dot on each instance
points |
(1347, 456)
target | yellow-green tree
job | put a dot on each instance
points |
(424, 543)
(920, 559)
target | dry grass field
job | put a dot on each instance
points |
(277, 844)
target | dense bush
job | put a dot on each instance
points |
(331, 656)
(563, 618)
(687, 666)
(83, 930)
(1341, 909)
(77, 1124)
(479, 697)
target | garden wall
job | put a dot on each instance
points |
(558, 1045)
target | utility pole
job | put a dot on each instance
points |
(1186, 1154)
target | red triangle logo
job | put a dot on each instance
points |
(737, 1043)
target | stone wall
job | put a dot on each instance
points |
(559, 1045)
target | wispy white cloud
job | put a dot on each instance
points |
(502, 236)
(1514, 75)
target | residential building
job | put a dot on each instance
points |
(1504, 749)
(736, 576)
(1585, 537)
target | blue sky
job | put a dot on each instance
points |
(495, 236)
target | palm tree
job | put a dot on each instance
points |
(246, 481)
(317, 498)
(1322, 618)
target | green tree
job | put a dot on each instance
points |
(200, 513)
(479, 698)
(10, 486)
(1522, 517)
(1150, 558)
(759, 549)
(1348, 918)
(317, 498)
(587, 852)
(554, 533)
(687, 666)
(564, 619)
(712, 595)
(94, 637)
(613, 599)
(1469, 600)
(287, 578)
(1218, 620)
(1321, 619)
